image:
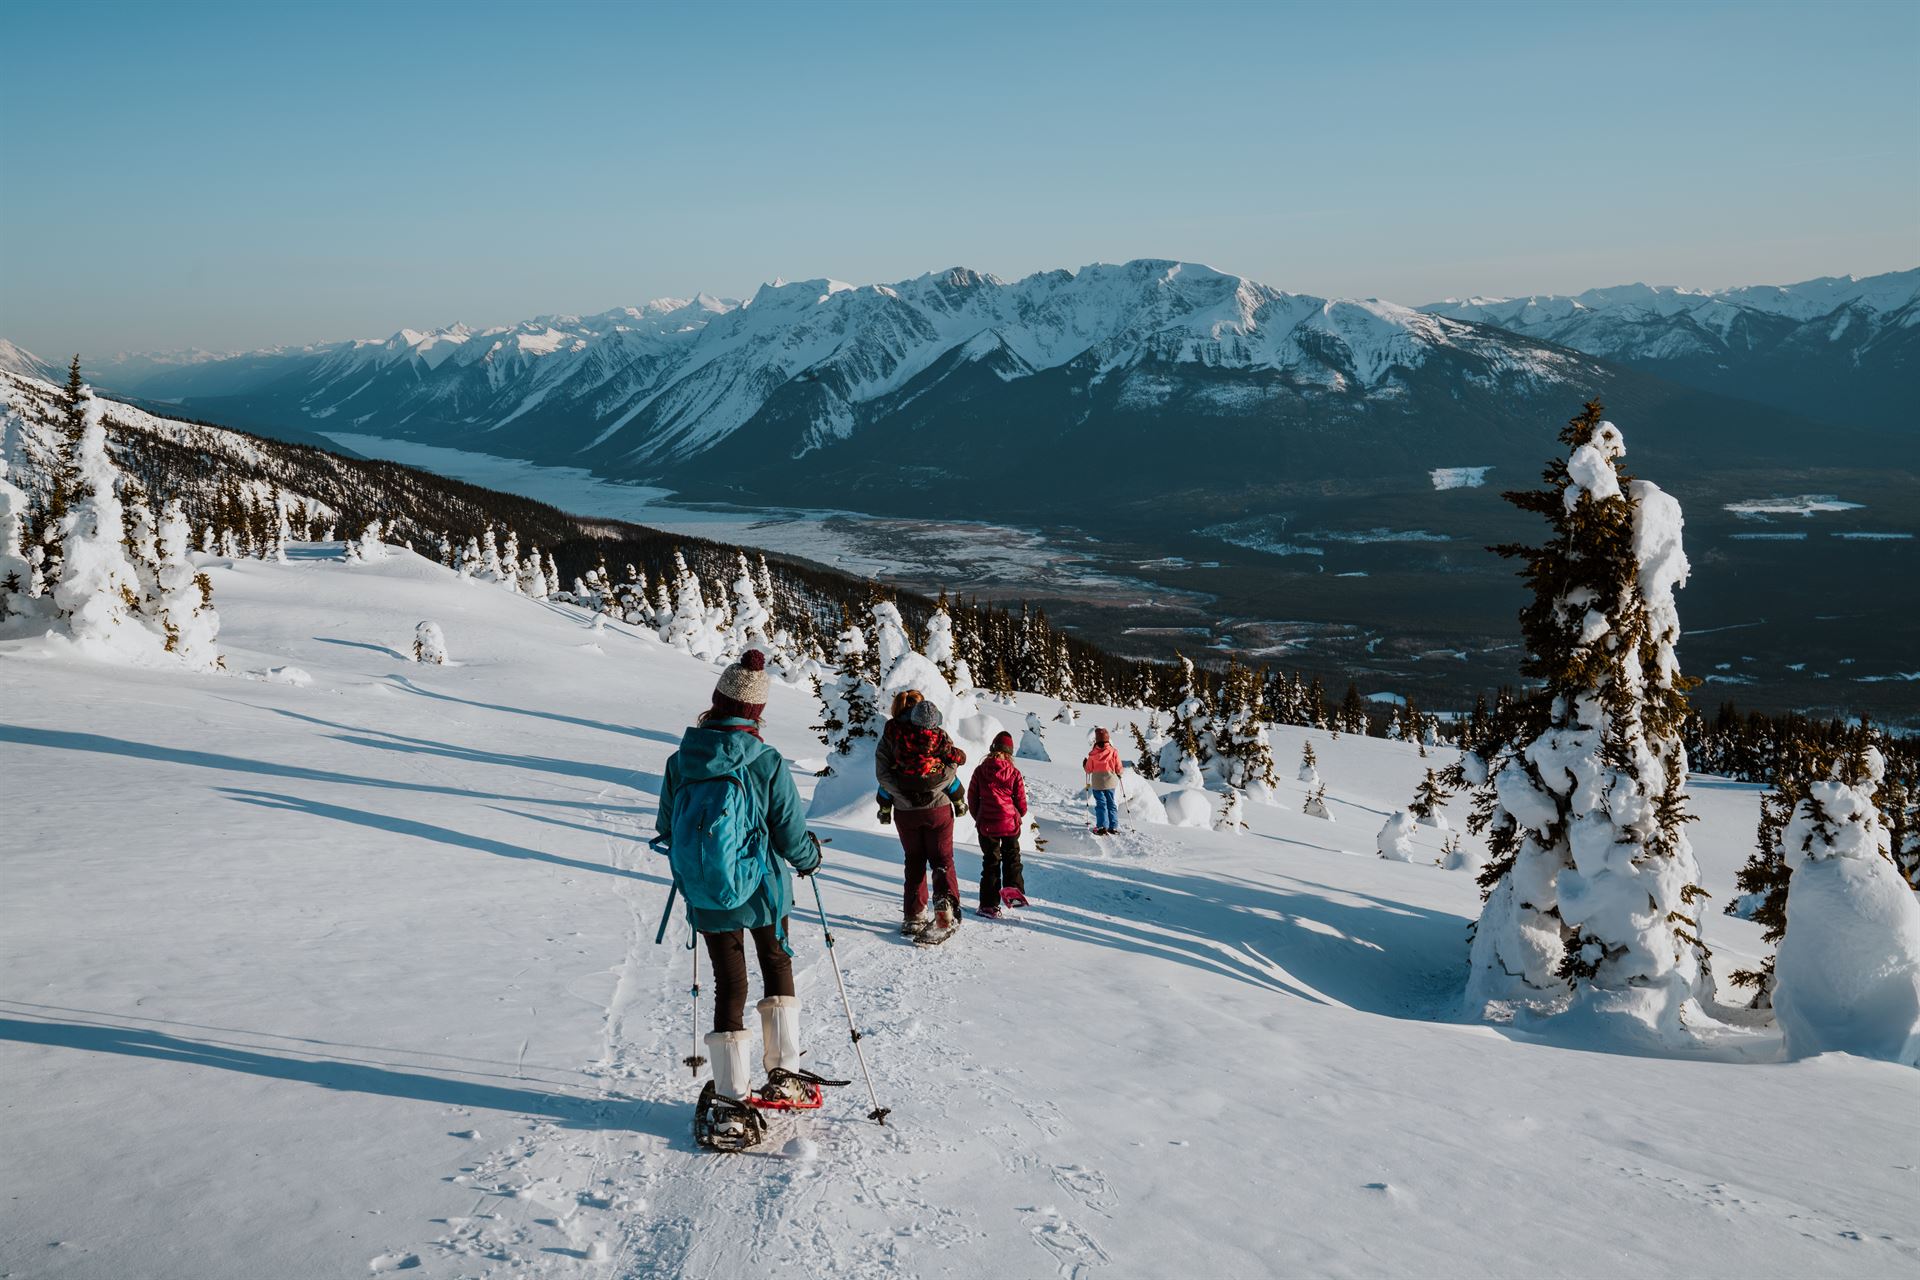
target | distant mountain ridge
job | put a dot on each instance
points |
(820, 393)
(1837, 348)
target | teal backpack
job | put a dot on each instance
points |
(718, 854)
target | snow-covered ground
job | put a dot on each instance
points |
(358, 975)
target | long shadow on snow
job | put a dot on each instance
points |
(630, 730)
(382, 649)
(107, 1017)
(428, 832)
(1373, 955)
(568, 1110)
(641, 780)
(68, 740)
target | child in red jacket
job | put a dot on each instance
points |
(997, 795)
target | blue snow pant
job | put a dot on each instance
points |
(1106, 814)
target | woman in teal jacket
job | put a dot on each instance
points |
(725, 742)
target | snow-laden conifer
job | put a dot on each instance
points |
(1395, 841)
(1233, 813)
(749, 625)
(940, 639)
(1592, 891)
(98, 591)
(429, 644)
(1428, 798)
(686, 628)
(185, 609)
(18, 598)
(371, 546)
(1847, 974)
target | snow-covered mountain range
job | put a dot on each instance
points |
(803, 366)
(821, 392)
(1838, 347)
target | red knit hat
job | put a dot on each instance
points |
(742, 690)
(1003, 741)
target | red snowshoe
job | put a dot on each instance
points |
(778, 1094)
(1012, 898)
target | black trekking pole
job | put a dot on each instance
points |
(693, 1061)
(879, 1113)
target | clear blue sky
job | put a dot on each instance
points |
(229, 176)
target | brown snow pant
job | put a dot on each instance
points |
(999, 866)
(729, 953)
(926, 836)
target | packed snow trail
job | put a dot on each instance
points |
(358, 976)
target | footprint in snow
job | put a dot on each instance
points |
(1075, 1252)
(393, 1262)
(1087, 1185)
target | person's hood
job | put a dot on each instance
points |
(714, 753)
(999, 767)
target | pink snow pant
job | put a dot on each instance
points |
(927, 837)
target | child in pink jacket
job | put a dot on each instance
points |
(1103, 779)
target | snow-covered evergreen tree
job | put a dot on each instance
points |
(749, 625)
(1192, 732)
(98, 592)
(1316, 803)
(1847, 974)
(1395, 840)
(184, 606)
(371, 545)
(662, 608)
(1309, 766)
(533, 576)
(1149, 749)
(1428, 797)
(1592, 886)
(20, 598)
(940, 639)
(1033, 740)
(1233, 813)
(687, 628)
(849, 711)
(429, 644)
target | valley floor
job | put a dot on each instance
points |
(357, 974)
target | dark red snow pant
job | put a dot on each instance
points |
(729, 954)
(927, 837)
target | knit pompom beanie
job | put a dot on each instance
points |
(742, 690)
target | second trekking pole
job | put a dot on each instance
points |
(879, 1113)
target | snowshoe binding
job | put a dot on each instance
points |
(721, 1123)
(1012, 898)
(792, 1091)
(946, 922)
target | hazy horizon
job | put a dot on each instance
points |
(233, 177)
